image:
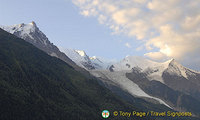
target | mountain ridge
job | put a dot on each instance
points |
(35, 86)
(170, 74)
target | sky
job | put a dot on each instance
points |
(156, 29)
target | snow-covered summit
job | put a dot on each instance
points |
(130, 62)
(32, 34)
(176, 68)
(81, 58)
(22, 29)
(154, 70)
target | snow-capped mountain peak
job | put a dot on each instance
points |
(22, 29)
(31, 33)
(80, 58)
(130, 62)
(83, 60)
(175, 68)
(154, 70)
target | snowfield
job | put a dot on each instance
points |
(120, 79)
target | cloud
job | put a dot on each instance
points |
(127, 45)
(155, 55)
(85, 13)
(171, 28)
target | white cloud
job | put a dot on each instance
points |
(155, 55)
(102, 19)
(172, 27)
(85, 13)
(191, 23)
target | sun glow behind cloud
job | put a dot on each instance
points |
(172, 26)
